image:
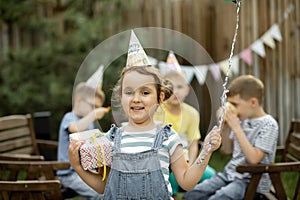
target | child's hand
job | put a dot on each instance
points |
(231, 118)
(100, 112)
(74, 153)
(212, 141)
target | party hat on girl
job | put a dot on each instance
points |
(136, 55)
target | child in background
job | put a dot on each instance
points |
(143, 151)
(185, 121)
(250, 134)
(87, 107)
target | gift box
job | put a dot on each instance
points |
(96, 151)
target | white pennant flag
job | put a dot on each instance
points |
(153, 61)
(96, 79)
(268, 40)
(200, 73)
(275, 32)
(258, 47)
(224, 66)
(163, 68)
(188, 73)
(215, 71)
(234, 66)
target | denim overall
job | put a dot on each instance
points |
(137, 176)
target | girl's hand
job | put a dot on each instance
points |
(213, 140)
(74, 153)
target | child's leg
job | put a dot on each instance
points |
(207, 188)
(234, 190)
(208, 173)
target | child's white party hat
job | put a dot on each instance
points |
(136, 55)
(95, 81)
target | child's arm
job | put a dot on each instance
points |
(188, 176)
(92, 179)
(193, 151)
(253, 154)
(227, 142)
(85, 121)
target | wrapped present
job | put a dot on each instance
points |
(96, 151)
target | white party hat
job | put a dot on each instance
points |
(136, 55)
(173, 62)
(95, 81)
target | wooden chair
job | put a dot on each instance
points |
(290, 161)
(17, 136)
(18, 143)
(32, 173)
(30, 190)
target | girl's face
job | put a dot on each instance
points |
(139, 98)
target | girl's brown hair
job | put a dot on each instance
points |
(161, 85)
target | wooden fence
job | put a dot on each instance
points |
(210, 23)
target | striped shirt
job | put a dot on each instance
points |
(262, 133)
(135, 142)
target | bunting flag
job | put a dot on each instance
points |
(96, 79)
(234, 66)
(188, 73)
(200, 73)
(268, 40)
(136, 55)
(258, 48)
(275, 32)
(246, 55)
(215, 71)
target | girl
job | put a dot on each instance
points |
(143, 151)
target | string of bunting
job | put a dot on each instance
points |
(258, 47)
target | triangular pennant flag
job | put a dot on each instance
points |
(268, 40)
(163, 68)
(200, 73)
(275, 32)
(96, 79)
(258, 47)
(246, 55)
(235, 66)
(136, 54)
(172, 62)
(215, 71)
(188, 73)
(153, 61)
(224, 67)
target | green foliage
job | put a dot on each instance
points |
(41, 78)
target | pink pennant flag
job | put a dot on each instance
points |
(246, 55)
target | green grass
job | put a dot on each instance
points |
(289, 179)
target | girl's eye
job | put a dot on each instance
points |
(128, 92)
(145, 92)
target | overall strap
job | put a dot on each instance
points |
(162, 134)
(115, 135)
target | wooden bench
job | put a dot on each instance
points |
(18, 143)
(32, 173)
(31, 190)
(17, 136)
(290, 161)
